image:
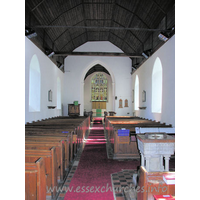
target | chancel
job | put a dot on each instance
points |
(99, 99)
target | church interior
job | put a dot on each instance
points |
(99, 99)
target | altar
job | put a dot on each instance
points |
(98, 112)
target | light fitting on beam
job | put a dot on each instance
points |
(163, 36)
(61, 66)
(30, 33)
(145, 55)
(49, 53)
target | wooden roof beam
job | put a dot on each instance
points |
(108, 54)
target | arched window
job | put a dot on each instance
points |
(58, 93)
(99, 87)
(34, 85)
(136, 96)
(156, 103)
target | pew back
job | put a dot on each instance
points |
(35, 187)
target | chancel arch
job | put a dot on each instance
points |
(98, 90)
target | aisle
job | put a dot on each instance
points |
(92, 178)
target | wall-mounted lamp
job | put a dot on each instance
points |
(147, 53)
(30, 33)
(49, 53)
(163, 36)
(61, 66)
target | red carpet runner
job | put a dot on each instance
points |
(92, 178)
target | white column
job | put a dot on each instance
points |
(113, 95)
(147, 162)
(167, 157)
(142, 160)
(82, 99)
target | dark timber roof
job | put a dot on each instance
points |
(131, 25)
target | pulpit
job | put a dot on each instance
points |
(73, 110)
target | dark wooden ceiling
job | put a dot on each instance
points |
(96, 68)
(131, 25)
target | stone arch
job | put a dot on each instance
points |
(87, 68)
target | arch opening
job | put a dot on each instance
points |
(156, 106)
(34, 85)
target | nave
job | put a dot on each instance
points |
(95, 169)
(85, 170)
(95, 176)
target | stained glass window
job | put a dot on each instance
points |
(99, 87)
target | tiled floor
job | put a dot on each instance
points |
(122, 181)
(67, 182)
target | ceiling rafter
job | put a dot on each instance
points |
(131, 25)
(66, 31)
(100, 27)
(64, 13)
(84, 17)
(110, 54)
(135, 15)
(124, 41)
(113, 9)
(37, 5)
(158, 6)
(130, 22)
(73, 39)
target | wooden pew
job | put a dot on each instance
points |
(35, 180)
(54, 138)
(60, 153)
(151, 183)
(62, 134)
(74, 126)
(125, 147)
(51, 169)
(48, 133)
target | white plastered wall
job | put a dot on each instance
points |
(49, 73)
(166, 55)
(76, 68)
